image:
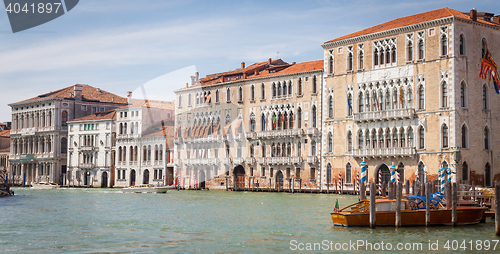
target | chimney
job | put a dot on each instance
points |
(257, 72)
(293, 63)
(129, 97)
(269, 61)
(187, 84)
(473, 14)
(496, 19)
(78, 92)
(487, 16)
(242, 65)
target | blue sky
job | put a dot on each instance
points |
(119, 45)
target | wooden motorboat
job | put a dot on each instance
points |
(6, 192)
(147, 188)
(412, 214)
(44, 185)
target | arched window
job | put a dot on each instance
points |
(349, 141)
(189, 99)
(180, 101)
(410, 137)
(228, 95)
(483, 47)
(217, 96)
(263, 149)
(330, 65)
(290, 88)
(64, 118)
(462, 45)
(263, 122)
(421, 171)
(240, 97)
(361, 60)
(299, 87)
(299, 149)
(375, 57)
(329, 173)
(285, 89)
(409, 51)
(421, 97)
(444, 45)
(299, 118)
(465, 136)
(382, 56)
(393, 54)
(485, 97)
(444, 133)
(349, 104)
(313, 148)
(388, 55)
(349, 61)
(465, 171)
(402, 137)
(387, 100)
(487, 175)
(64, 145)
(274, 90)
(252, 92)
(420, 49)
(360, 140)
(262, 91)
(279, 89)
(360, 101)
(273, 150)
(348, 173)
(314, 85)
(290, 121)
(330, 142)
(387, 138)
(314, 116)
(252, 124)
(463, 94)
(486, 138)
(394, 138)
(330, 106)
(444, 94)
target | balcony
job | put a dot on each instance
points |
(393, 114)
(296, 160)
(312, 159)
(312, 131)
(178, 140)
(86, 165)
(278, 160)
(226, 161)
(276, 133)
(384, 152)
(251, 135)
(213, 161)
(238, 161)
(261, 160)
(87, 148)
(187, 161)
(239, 137)
(250, 160)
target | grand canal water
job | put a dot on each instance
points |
(106, 220)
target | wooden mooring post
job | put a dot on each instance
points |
(407, 186)
(428, 205)
(497, 209)
(391, 190)
(372, 205)
(399, 192)
(454, 196)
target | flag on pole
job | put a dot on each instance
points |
(274, 120)
(401, 94)
(336, 208)
(376, 99)
(488, 66)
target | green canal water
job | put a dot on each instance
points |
(108, 221)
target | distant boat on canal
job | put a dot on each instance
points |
(147, 188)
(44, 185)
(412, 213)
(6, 192)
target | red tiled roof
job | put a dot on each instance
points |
(259, 70)
(89, 93)
(412, 20)
(2, 124)
(5, 149)
(150, 104)
(5, 134)
(97, 116)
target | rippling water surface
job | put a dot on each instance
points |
(106, 220)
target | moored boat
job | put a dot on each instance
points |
(358, 214)
(44, 185)
(147, 188)
(6, 192)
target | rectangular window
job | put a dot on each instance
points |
(313, 174)
(84, 107)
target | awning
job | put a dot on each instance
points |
(186, 132)
(177, 131)
(216, 130)
(208, 99)
(236, 130)
(206, 130)
(199, 134)
(193, 132)
(224, 133)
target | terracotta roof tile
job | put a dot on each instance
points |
(2, 124)
(150, 104)
(411, 20)
(89, 93)
(5, 134)
(97, 116)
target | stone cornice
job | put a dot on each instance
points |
(391, 32)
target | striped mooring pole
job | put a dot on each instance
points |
(449, 174)
(340, 183)
(357, 183)
(380, 182)
(397, 177)
(441, 179)
(393, 173)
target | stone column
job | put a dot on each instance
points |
(23, 170)
(52, 171)
(36, 172)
